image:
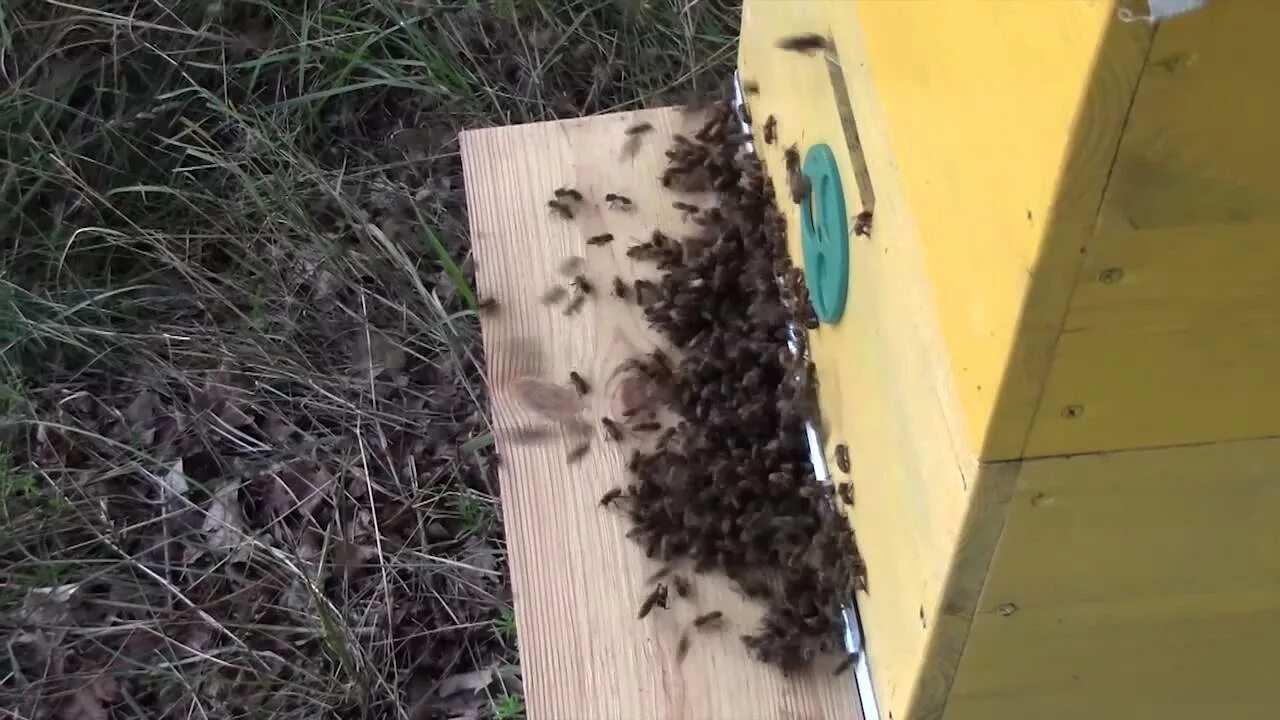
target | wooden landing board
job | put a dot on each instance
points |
(578, 581)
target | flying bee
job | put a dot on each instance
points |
(582, 284)
(579, 383)
(770, 130)
(568, 193)
(572, 265)
(682, 647)
(560, 208)
(804, 43)
(657, 598)
(751, 87)
(639, 128)
(553, 295)
(577, 452)
(601, 239)
(575, 304)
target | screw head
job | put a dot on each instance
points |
(1071, 412)
(1007, 609)
(1111, 276)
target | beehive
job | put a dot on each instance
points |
(1054, 369)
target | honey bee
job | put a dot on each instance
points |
(579, 383)
(618, 202)
(845, 491)
(657, 598)
(660, 573)
(646, 427)
(751, 87)
(842, 457)
(608, 498)
(797, 183)
(577, 452)
(710, 618)
(553, 295)
(845, 664)
(770, 130)
(582, 284)
(568, 193)
(572, 265)
(575, 304)
(682, 647)
(686, 208)
(862, 224)
(804, 43)
(611, 428)
(682, 586)
(620, 289)
(601, 239)
(560, 208)
(639, 128)
(487, 306)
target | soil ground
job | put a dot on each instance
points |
(246, 468)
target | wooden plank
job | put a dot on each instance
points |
(1141, 584)
(927, 516)
(577, 580)
(1178, 289)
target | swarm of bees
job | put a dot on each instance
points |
(729, 488)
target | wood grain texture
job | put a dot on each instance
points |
(927, 515)
(578, 582)
(1142, 584)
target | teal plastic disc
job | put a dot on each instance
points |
(824, 234)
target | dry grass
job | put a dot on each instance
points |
(246, 470)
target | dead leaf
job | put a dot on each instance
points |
(90, 700)
(223, 525)
(48, 606)
(106, 689)
(473, 681)
(173, 484)
(141, 411)
(374, 353)
(551, 400)
(298, 484)
(481, 556)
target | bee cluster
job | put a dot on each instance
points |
(729, 486)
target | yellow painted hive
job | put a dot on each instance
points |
(1055, 370)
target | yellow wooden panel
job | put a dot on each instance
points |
(1173, 337)
(1200, 146)
(1002, 120)
(1143, 584)
(927, 519)
(1173, 334)
(577, 580)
